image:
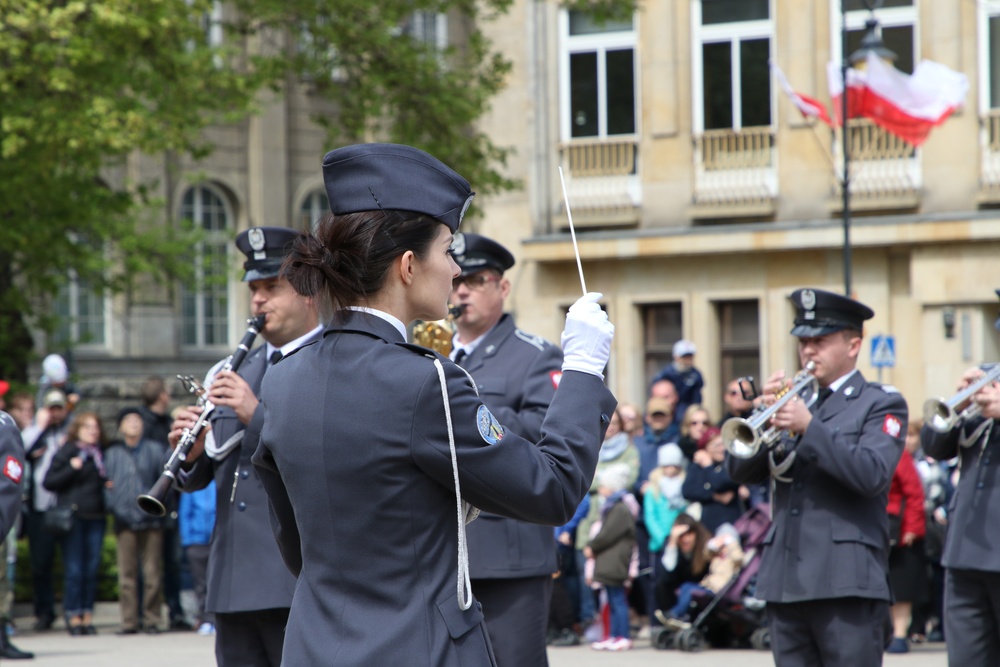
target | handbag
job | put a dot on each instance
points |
(57, 520)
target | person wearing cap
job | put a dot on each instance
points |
(684, 376)
(249, 590)
(134, 463)
(511, 562)
(971, 555)
(42, 439)
(375, 452)
(824, 565)
(55, 375)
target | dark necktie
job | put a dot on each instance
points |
(460, 356)
(275, 357)
(824, 393)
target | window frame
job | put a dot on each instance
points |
(733, 33)
(599, 43)
(220, 239)
(310, 211)
(72, 293)
(985, 10)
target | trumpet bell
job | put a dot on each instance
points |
(740, 438)
(938, 415)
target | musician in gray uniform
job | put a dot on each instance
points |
(248, 587)
(11, 472)
(824, 565)
(374, 452)
(511, 562)
(972, 546)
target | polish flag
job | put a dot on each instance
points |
(810, 107)
(906, 105)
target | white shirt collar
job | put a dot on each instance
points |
(391, 319)
(290, 347)
(839, 382)
(468, 347)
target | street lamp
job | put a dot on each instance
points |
(871, 42)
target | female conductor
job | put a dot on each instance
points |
(375, 453)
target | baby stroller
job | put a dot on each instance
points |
(733, 616)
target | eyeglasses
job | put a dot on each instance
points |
(476, 281)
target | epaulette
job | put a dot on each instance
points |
(531, 339)
(887, 388)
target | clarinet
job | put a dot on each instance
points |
(151, 502)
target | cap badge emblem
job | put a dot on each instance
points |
(458, 244)
(808, 298)
(256, 238)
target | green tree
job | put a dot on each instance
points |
(85, 84)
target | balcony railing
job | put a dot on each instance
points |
(885, 170)
(735, 168)
(602, 180)
(990, 176)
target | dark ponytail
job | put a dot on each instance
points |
(346, 261)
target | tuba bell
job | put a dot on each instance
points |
(743, 438)
(437, 335)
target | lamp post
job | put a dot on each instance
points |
(871, 42)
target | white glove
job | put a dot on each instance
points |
(586, 339)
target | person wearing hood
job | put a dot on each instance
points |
(133, 465)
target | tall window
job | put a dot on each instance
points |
(989, 38)
(431, 28)
(205, 300)
(739, 340)
(81, 312)
(731, 72)
(597, 77)
(314, 207)
(661, 329)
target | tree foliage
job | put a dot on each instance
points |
(86, 84)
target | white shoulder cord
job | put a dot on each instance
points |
(464, 584)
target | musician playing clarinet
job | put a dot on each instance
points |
(824, 565)
(972, 546)
(249, 589)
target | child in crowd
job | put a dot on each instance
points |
(611, 548)
(726, 559)
(663, 500)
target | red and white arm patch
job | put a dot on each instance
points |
(892, 426)
(556, 377)
(13, 469)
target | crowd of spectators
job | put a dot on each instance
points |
(82, 481)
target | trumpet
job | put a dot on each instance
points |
(743, 438)
(941, 415)
(151, 502)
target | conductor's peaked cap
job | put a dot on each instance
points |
(372, 177)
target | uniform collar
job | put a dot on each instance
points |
(290, 347)
(488, 341)
(370, 321)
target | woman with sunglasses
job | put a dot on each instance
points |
(374, 453)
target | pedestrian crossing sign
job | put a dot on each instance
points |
(883, 351)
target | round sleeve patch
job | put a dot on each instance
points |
(489, 428)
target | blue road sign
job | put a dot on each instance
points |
(883, 351)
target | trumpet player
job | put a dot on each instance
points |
(824, 564)
(249, 588)
(971, 555)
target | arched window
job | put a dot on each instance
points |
(205, 299)
(314, 207)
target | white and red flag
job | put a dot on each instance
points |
(906, 105)
(809, 106)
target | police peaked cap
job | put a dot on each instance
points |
(474, 253)
(371, 177)
(820, 312)
(265, 248)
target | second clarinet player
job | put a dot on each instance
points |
(249, 588)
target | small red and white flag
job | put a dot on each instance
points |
(809, 106)
(906, 105)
